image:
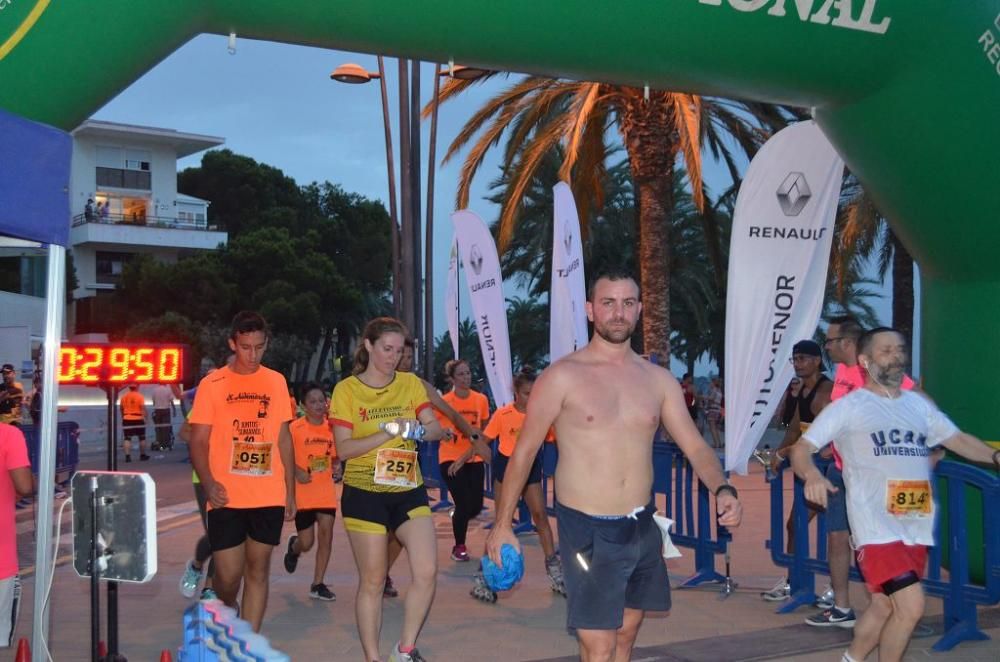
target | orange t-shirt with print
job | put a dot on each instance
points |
(474, 408)
(246, 413)
(133, 406)
(506, 425)
(315, 452)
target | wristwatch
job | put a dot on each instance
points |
(727, 488)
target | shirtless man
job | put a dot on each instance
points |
(606, 403)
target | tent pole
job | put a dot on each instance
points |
(55, 307)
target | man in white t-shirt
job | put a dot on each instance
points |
(885, 436)
(163, 411)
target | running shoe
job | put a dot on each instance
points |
(60, 493)
(399, 656)
(208, 594)
(389, 590)
(291, 558)
(826, 599)
(553, 568)
(833, 617)
(321, 592)
(459, 553)
(143, 458)
(781, 591)
(190, 580)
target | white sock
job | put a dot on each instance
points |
(842, 610)
(847, 658)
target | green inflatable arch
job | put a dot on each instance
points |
(907, 90)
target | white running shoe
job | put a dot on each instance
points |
(190, 580)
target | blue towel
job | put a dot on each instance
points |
(504, 579)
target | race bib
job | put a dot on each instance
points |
(396, 467)
(251, 458)
(319, 463)
(908, 498)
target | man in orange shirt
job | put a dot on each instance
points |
(241, 449)
(133, 407)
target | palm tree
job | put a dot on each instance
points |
(862, 233)
(656, 128)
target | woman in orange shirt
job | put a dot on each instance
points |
(461, 468)
(315, 494)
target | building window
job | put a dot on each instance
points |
(110, 266)
(120, 167)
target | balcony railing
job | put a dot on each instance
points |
(160, 222)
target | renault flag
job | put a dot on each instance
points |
(451, 296)
(568, 317)
(482, 275)
(778, 255)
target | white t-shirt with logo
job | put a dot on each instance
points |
(885, 443)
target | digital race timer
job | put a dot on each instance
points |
(111, 363)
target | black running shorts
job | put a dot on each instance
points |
(230, 527)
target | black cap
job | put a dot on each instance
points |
(807, 347)
(7, 367)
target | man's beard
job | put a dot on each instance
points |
(617, 335)
(891, 374)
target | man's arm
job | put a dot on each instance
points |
(198, 448)
(792, 434)
(816, 484)
(543, 407)
(972, 448)
(22, 479)
(703, 459)
(287, 459)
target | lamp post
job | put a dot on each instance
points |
(354, 74)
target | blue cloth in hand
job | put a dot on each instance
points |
(504, 579)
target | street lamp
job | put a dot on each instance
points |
(354, 74)
(464, 72)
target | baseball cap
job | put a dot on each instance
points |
(807, 347)
(7, 367)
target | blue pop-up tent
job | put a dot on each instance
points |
(34, 206)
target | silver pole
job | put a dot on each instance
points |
(55, 306)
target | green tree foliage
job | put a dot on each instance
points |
(315, 261)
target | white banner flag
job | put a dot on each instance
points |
(482, 275)
(778, 255)
(451, 296)
(567, 315)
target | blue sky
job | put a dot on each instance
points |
(276, 103)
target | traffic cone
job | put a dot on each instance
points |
(23, 651)
(165, 656)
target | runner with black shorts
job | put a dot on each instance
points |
(242, 451)
(315, 492)
(377, 415)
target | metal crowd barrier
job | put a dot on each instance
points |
(67, 447)
(960, 595)
(687, 502)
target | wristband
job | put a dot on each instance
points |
(728, 488)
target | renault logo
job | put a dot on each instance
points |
(476, 258)
(793, 194)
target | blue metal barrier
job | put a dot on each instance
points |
(959, 594)
(67, 447)
(687, 502)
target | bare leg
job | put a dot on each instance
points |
(395, 549)
(536, 504)
(838, 552)
(418, 536)
(597, 645)
(370, 555)
(907, 609)
(869, 627)
(229, 565)
(627, 633)
(324, 545)
(256, 582)
(304, 540)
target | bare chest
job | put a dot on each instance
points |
(622, 402)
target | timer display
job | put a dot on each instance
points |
(110, 363)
